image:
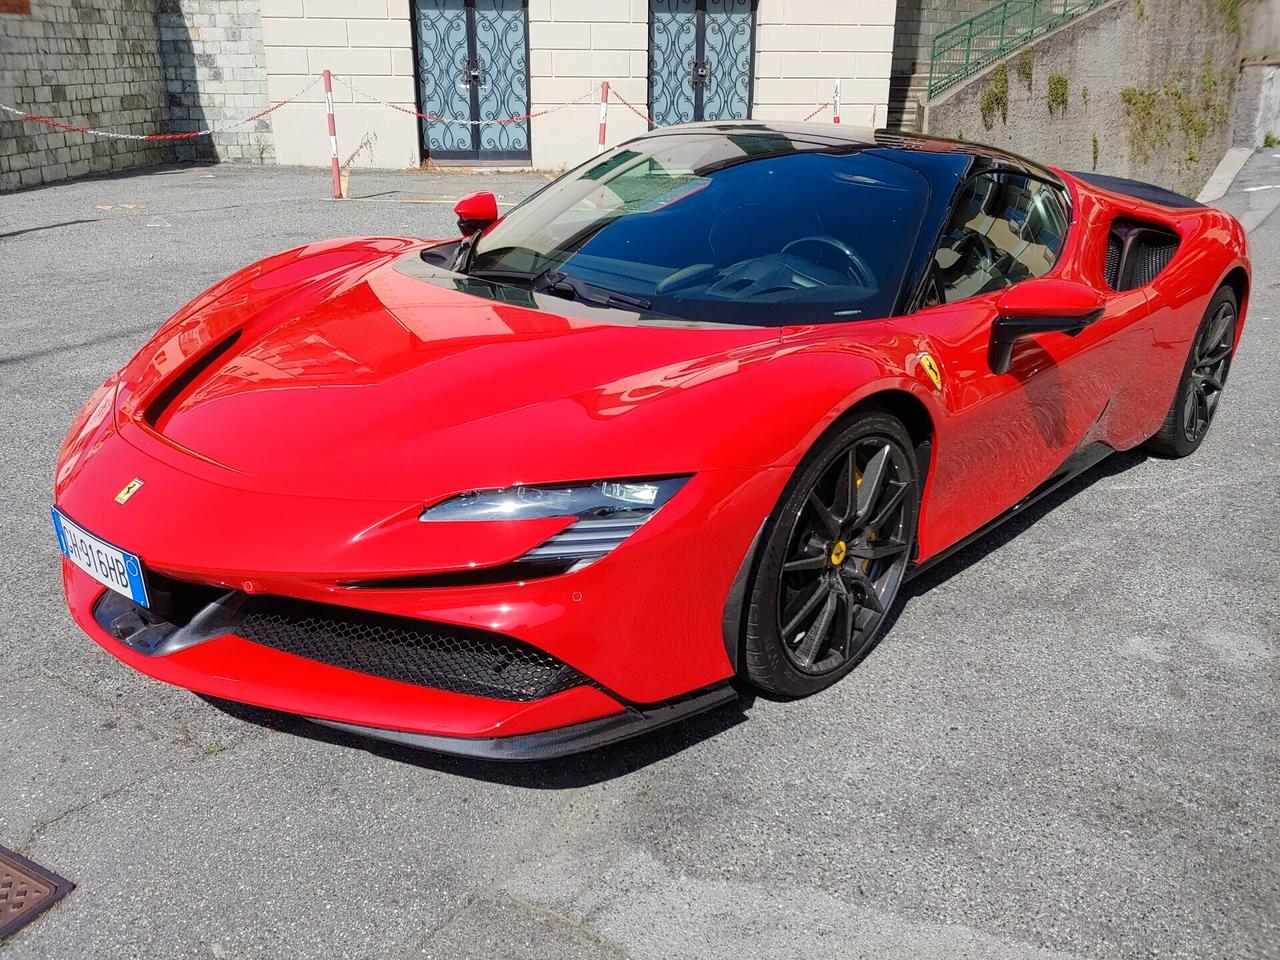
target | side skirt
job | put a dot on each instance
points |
(1090, 455)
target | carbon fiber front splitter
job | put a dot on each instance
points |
(548, 744)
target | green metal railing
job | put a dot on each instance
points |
(986, 37)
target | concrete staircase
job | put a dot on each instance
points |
(914, 27)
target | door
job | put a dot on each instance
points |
(701, 60)
(473, 69)
(1011, 432)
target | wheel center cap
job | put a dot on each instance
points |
(838, 553)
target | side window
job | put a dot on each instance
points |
(1006, 228)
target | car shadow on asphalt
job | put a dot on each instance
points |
(619, 759)
(937, 575)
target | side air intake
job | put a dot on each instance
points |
(1137, 253)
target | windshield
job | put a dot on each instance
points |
(751, 228)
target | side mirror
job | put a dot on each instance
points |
(1043, 305)
(476, 211)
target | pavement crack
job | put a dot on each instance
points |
(448, 918)
(577, 926)
(180, 734)
(41, 827)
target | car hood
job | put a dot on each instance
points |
(350, 377)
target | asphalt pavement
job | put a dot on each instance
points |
(1068, 746)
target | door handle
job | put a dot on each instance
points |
(472, 71)
(699, 73)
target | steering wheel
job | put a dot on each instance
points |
(977, 250)
(856, 267)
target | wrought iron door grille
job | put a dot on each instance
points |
(701, 60)
(473, 65)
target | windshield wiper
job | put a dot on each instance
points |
(561, 284)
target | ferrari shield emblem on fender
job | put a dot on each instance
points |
(931, 368)
(129, 490)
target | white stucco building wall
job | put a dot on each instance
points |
(801, 47)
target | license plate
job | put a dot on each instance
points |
(110, 566)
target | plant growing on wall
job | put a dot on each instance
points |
(995, 97)
(1231, 11)
(1195, 112)
(1025, 65)
(1148, 128)
(1059, 90)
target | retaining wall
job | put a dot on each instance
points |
(1137, 88)
(215, 71)
(87, 61)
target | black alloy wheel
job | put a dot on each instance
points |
(836, 553)
(1203, 379)
(1211, 357)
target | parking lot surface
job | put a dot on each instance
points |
(1068, 746)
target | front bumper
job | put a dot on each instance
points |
(230, 667)
(207, 656)
(644, 625)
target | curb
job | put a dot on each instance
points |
(1224, 173)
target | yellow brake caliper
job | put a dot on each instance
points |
(857, 482)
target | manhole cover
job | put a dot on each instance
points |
(26, 891)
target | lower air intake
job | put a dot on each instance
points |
(437, 655)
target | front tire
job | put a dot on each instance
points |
(1203, 377)
(835, 553)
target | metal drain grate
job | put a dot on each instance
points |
(26, 891)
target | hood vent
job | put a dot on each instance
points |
(165, 398)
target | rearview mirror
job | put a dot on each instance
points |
(476, 211)
(1043, 305)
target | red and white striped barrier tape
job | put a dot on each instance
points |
(634, 109)
(821, 107)
(454, 121)
(651, 122)
(431, 117)
(189, 135)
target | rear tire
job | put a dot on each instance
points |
(1203, 377)
(834, 555)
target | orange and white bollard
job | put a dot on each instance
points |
(835, 100)
(333, 136)
(604, 113)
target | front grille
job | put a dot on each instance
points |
(437, 655)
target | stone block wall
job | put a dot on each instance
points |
(90, 62)
(215, 73)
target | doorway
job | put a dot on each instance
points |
(701, 60)
(473, 64)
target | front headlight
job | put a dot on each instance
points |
(606, 512)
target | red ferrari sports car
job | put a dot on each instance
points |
(689, 415)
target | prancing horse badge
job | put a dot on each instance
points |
(930, 366)
(129, 490)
